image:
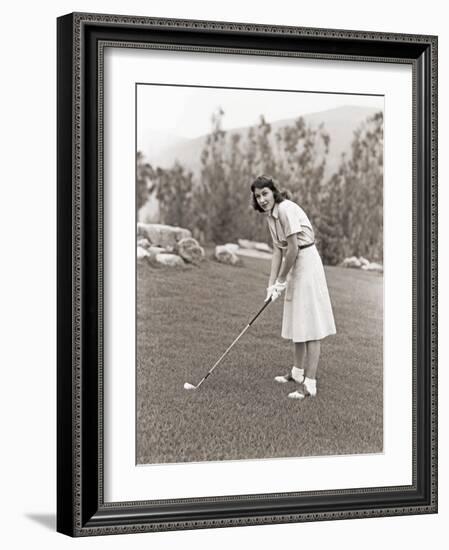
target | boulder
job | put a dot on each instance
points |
(155, 250)
(190, 250)
(263, 247)
(351, 262)
(362, 263)
(165, 236)
(142, 254)
(225, 256)
(243, 243)
(254, 245)
(232, 247)
(143, 243)
(168, 260)
(373, 267)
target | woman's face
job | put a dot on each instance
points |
(264, 198)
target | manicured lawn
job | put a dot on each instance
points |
(187, 318)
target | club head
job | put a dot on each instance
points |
(188, 386)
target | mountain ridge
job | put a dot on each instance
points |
(340, 123)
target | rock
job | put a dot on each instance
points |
(254, 245)
(263, 247)
(142, 254)
(153, 251)
(362, 263)
(223, 255)
(232, 247)
(351, 262)
(143, 243)
(243, 243)
(190, 250)
(373, 267)
(165, 236)
(168, 260)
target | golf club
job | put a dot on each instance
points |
(188, 386)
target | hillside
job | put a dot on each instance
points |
(340, 123)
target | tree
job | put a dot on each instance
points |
(259, 158)
(214, 199)
(352, 204)
(245, 158)
(264, 158)
(174, 191)
(145, 176)
(302, 151)
(231, 162)
(332, 241)
(363, 177)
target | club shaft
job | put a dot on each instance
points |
(267, 303)
(230, 347)
(235, 341)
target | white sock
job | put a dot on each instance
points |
(310, 384)
(298, 374)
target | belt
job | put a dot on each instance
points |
(306, 245)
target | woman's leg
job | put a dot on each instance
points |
(297, 372)
(299, 354)
(313, 356)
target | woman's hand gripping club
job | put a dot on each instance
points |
(275, 291)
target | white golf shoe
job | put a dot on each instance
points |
(283, 379)
(309, 387)
(296, 374)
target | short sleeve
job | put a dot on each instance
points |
(289, 217)
(273, 236)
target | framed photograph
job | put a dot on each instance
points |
(247, 274)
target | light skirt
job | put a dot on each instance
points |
(307, 306)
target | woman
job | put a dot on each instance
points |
(296, 268)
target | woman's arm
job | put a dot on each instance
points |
(289, 258)
(276, 261)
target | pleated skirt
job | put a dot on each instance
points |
(307, 307)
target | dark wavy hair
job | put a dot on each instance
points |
(265, 181)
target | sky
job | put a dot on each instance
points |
(186, 111)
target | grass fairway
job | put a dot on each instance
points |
(187, 318)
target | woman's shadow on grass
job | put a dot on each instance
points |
(47, 520)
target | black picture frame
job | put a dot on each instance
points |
(81, 510)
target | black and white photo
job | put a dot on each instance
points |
(241, 196)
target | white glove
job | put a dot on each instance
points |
(269, 292)
(276, 290)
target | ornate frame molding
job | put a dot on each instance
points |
(81, 509)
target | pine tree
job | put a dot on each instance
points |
(331, 240)
(174, 191)
(302, 151)
(145, 176)
(363, 190)
(214, 198)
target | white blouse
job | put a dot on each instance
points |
(288, 218)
